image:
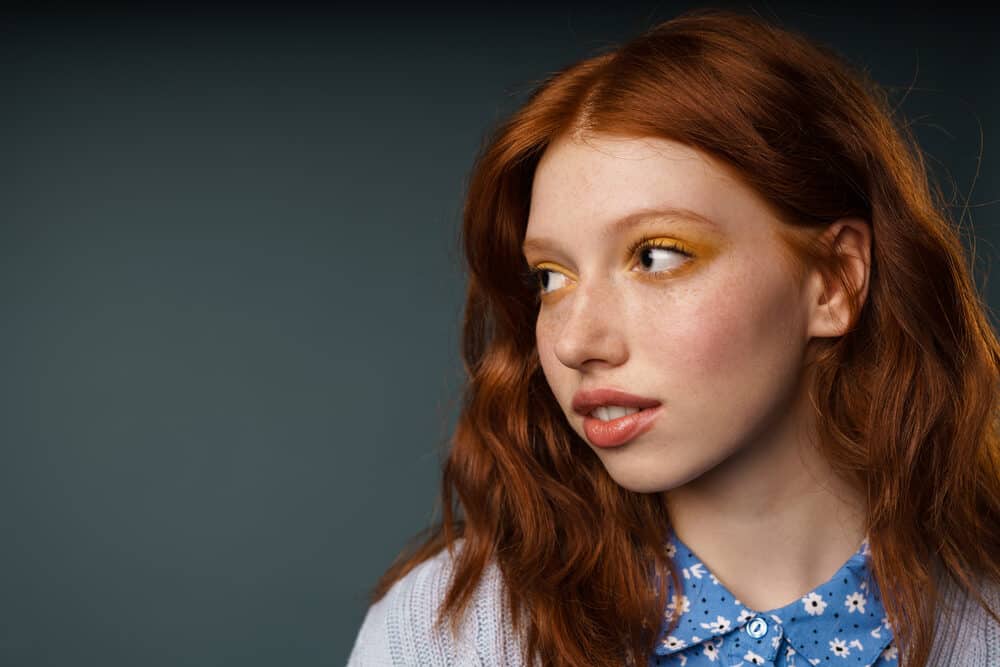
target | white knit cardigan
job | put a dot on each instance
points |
(397, 630)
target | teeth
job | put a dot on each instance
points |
(608, 412)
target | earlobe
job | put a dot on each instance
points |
(850, 240)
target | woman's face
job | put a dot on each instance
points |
(704, 318)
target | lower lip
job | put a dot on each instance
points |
(619, 431)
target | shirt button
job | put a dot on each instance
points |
(757, 627)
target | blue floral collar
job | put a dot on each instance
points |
(842, 619)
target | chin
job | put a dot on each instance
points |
(641, 486)
(641, 475)
(638, 477)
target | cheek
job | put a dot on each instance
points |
(555, 372)
(736, 336)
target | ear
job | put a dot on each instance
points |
(850, 240)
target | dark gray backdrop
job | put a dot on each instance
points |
(232, 294)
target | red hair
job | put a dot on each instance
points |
(907, 398)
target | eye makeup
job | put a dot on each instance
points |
(648, 244)
(535, 276)
(693, 254)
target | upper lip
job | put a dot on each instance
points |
(585, 400)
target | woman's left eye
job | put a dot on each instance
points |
(660, 255)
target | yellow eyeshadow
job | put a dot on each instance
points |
(696, 256)
(554, 267)
(699, 251)
(664, 242)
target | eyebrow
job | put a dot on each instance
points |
(636, 218)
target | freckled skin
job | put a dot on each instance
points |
(720, 343)
(720, 340)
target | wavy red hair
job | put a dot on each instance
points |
(907, 399)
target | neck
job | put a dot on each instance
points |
(772, 522)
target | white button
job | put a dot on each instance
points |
(757, 627)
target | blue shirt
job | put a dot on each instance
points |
(840, 623)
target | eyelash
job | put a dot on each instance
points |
(532, 276)
(650, 242)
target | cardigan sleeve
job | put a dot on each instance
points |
(988, 628)
(398, 630)
(371, 647)
(966, 635)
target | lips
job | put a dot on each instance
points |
(584, 401)
(619, 431)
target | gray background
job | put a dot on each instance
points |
(232, 292)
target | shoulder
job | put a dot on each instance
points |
(966, 635)
(399, 628)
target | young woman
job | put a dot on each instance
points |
(732, 396)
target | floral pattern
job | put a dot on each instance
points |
(841, 622)
(855, 602)
(813, 604)
(683, 603)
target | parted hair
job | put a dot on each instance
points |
(906, 399)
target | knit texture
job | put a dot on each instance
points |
(397, 630)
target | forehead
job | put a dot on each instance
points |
(597, 180)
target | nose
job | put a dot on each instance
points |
(593, 329)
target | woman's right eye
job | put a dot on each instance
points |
(547, 280)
